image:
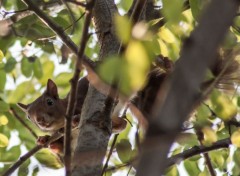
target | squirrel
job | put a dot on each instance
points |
(48, 111)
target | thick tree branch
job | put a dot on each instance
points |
(95, 126)
(180, 92)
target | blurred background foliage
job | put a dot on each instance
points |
(30, 53)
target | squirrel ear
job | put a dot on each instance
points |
(22, 106)
(52, 88)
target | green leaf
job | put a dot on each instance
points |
(35, 171)
(11, 155)
(37, 69)
(191, 167)
(123, 28)
(172, 171)
(4, 106)
(223, 106)
(217, 159)
(48, 68)
(3, 79)
(48, 159)
(126, 4)
(172, 9)
(26, 67)
(189, 139)
(236, 170)
(124, 149)
(20, 92)
(203, 114)
(24, 168)
(109, 70)
(63, 79)
(230, 41)
(3, 140)
(10, 65)
(195, 8)
(210, 136)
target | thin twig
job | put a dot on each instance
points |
(77, 3)
(58, 30)
(71, 15)
(73, 93)
(53, 36)
(130, 168)
(206, 156)
(113, 168)
(23, 123)
(110, 153)
(22, 159)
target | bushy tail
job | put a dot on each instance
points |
(226, 73)
(226, 77)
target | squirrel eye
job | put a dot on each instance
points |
(49, 102)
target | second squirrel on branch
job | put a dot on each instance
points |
(48, 111)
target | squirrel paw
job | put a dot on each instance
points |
(42, 139)
(56, 147)
(75, 121)
(118, 124)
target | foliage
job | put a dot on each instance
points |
(30, 53)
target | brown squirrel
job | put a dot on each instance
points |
(48, 113)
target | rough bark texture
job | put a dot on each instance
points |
(182, 90)
(95, 125)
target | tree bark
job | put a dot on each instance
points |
(182, 90)
(95, 124)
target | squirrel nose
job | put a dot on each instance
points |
(40, 120)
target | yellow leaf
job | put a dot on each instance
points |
(3, 120)
(163, 48)
(123, 28)
(138, 64)
(223, 106)
(235, 138)
(3, 140)
(1, 56)
(209, 136)
(167, 35)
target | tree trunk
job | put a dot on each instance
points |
(95, 124)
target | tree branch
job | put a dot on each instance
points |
(224, 143)
(23, 123)
(58, 30)
(197, 54)
(110, 153)
(206, 156)
(30, 153)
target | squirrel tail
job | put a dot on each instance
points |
(226, 73)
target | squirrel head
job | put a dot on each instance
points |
(47, 111)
